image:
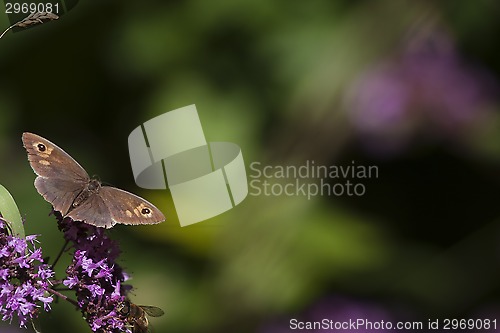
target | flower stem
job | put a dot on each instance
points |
(60, 254)
(64, 297)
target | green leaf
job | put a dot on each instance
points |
(10, 212)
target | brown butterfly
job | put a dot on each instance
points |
(70, 190)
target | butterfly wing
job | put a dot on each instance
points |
(60, 178)
(93, 211)
(128, 208)
(59, 192)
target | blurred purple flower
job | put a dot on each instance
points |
(95, 276)
(333, 311)
(429, 87)
(23, 277)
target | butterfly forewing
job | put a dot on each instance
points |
(128, 208)
(50, 161)
(60, 178)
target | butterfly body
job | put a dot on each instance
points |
(90, 189)
(67, 186)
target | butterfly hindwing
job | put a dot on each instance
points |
(60, 193)
(93, 211)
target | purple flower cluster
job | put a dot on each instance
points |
(95, 276)
(27, 283)
(23, 277)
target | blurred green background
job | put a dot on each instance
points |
(411, 87)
